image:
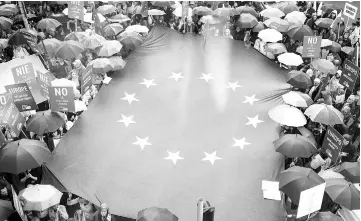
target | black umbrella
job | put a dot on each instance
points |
(60, 17)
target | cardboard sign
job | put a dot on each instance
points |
(86, 79)
(76, 10)
(332, 143)
(62, 99)
(24, 73)
(349, 75)
(22, 97)
(311, 46)
(18, 206)
(4, 99)
(311, 200)
(44, 80)
(350, 11)
(11, 116)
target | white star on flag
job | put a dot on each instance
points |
(233, 85)
(142, 142)
(251, 99)
(211, 157)
(148, 83)
(129, 97)
(206, 77)
(126, 120)
(254, 121)
(174, 157)
(176, 76)
(240, 143)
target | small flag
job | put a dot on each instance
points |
(185, 8)
(144, 9)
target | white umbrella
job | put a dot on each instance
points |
(40, 197)
(325, 43)
(295, 17)
(88, 17)
(109, 48)
(270, 35)
(290, 59)
(155, 12)
(287, 115)
(272, 13)
(137, 28)
(330, 174)
(297, 99)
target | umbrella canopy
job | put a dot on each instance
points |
(119, 18)
(40, 197)
(297, 99)
(277, 24)
(329, 174)
(247, 21)
(298, 32)
(328, 8)
(112, 29)
(325, 43)
(351, 171)
(163, 4)
(5, 209)
(130, 40)
(272, 13)
(298, 79)
(348, 50)
(325, 216)
(259, 27)
(276, 48)
(325, 114)
(270, 35)
(212, 20)
(45, 122)
(296, 17)
(5, 23)
(3, 43)
(106, 9)
(343, 193)
(155, 12)
(137, 28)
(93, 41)
(109, 48)
(296, 179)
(21, 155)
(334, 47)
(76, 36)
(48, 23)
(156, 214)
(324, 22)
(290, 59)
(288, 8)
(247, 10)
(51, 45)
(18, 38)
(287, 115)
(201, 10)
(117, 62)
(306, 133)
(101, 65)
(323, 65)
(8, 10)
(295, 145)
(226, 12)
(60, 17)
(69, 49)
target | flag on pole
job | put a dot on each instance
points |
(185, 7)
(144, 9)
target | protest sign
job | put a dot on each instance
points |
(86, 79)
(24, 73)
(11, 116)
(350, 11)
(22, 97)
(349, 75)
(76, 10)
(332, 143)
(62, 99)
(17, 205)
(311, 46)
(4, 99)
(311, 200)
(44, 80)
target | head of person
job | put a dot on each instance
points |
(346, 35)
(104, 209)
(340, 89)
(346, 111)
(161, 18)
(347, 138)
(333, 14)
(317, 82)
(192, 5)
(338, 74)
(238, 29)
(314, 16)
(85, 205)
(189, 20)
(309, 5)
(351, 99)
(77, 64)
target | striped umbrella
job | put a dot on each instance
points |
(351, 171)
(77, 36)
(112, 29)
(298, 79)
(246, 21)
(324, 22)
(343, 193)
(5, 23)
(295, 145)
(298, 32)
(297, 99)
(324, 114)
(247, 10)
(277, 24)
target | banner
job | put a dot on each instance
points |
(311, 46)
(22, 97)
(350, 11)
(332, 143)
(62, 99)
(76, 10)
(44, 80)
(11, 116)
(86, 79)
(17, 205)
(349, 75)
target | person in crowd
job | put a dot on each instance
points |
(188, 27)
(348, 150)
(311, 21)
(104, 214)
(87, 211)
(58, 213)
(309, 10)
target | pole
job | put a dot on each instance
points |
(200, 209)
(76, 25)
(348, 18)
(23, 15)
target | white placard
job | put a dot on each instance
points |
(311, 200)
(350, 11)
(271, 190)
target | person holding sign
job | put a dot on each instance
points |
(348, 151)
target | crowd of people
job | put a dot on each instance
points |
(325, 89)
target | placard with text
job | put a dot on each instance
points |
(22, 97)
(62, 99)
(350, 73)
(44, 80)
(350, 11)
(311, 46)
(86, 79)
(332, 143)
(76, 10)
(11, 116)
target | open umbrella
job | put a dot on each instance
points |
(323, 65)
(306, 133)
(226, 12)
(348, 50)
(130, 40)
(201, 10)
(212, 20)
(298, 32)
(45, 122)
(137, 28)
(351, 171)
(296, 17)
(325, 114)
(112, 29)
(288, 8)
(60, 17)
(8, 10)
(119, 18)
(324, 22)
(155, 12)
(270, 35)
(343, 193)
(259, 27)
(276, 48)
(69, 49)
(296, 179)
(330, 174)
(277, 24)
(334, 47)
(297, 99)
(5, 23)
(272, 12)
(246, 21)
(40, 197)
(5, 209)
(93, 41)
(51, 45)
(48, 23)
(325, 216)
(117, 62)
(328, 8)
(76, 36)
(106, 9)
(295, 145)
(298, 79)
(156, 214)
(325, 43)
(109, 48)
(19, 38)
(101, 65)
(287, 115)
(163, 4)
(290, 59)
(247, 10)
(3, 43)
(18, 156)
